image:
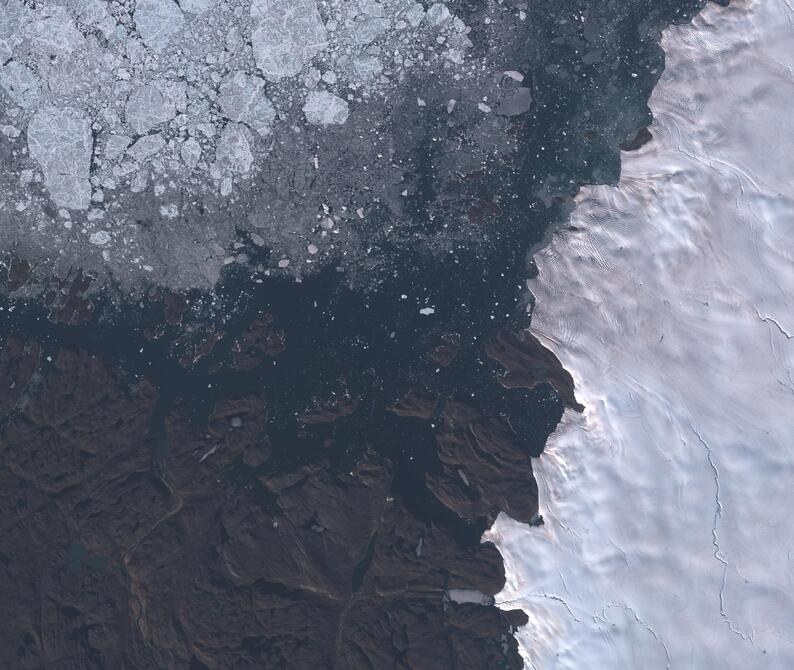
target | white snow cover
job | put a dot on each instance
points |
(669, 504)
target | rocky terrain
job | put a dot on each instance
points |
(225, 544)
(259, 404)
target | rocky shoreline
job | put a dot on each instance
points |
(296, 469)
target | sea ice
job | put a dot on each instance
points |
(242, 99)
(287, 35)
(156, 21)
(324, 108)
(60, 140)
(234, 150)
(147, 107)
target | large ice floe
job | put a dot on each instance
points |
(668, 531)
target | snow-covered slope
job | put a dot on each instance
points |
(669, 504)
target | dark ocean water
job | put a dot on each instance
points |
(371, 343)
(367, 341)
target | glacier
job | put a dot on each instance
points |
(670, 298)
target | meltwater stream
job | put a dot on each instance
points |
(669, 535)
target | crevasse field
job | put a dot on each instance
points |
(669, 504)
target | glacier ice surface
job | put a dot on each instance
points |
(669, 529)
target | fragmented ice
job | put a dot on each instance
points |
(234, 108)
(21, 84)
(242, 99)
(60, 141)
(191, 152)
(186, 81)
(197, 6)
(55, 33)
(147, 146)
(146, 108)
(13, 19)
(234, 150)
(287, 34)
(116, 145)
(156, 21)
(324, 108)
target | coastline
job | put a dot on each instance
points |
(666, 539)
